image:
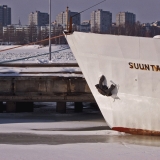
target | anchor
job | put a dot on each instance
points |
(103, 89)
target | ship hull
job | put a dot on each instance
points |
(132, 65)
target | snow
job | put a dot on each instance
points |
(37, 54)
(40, 71)
(79, 152)
(157, 37)
(62, 54)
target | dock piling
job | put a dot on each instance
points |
(1, 107)
(24, 107)
(61, 107)
(10, 107)
(78, 107)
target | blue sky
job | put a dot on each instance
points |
(145, 10)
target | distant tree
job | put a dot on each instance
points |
(5, 37)
(44, 35)
(95, 28)
(1, 33)
(39, 36)
(20, 38)
(32, 32)
(136, 29)
(154, 30)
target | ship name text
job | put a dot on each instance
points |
(146, 67)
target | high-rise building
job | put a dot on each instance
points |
(5, 15)
(124, 18)
(101, 21)
(63, 17)
(38, 18)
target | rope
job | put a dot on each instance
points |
(89, 8)
(14, 60)
(31, 43)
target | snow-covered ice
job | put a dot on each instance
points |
(37, 54)
(46, 135)
(94, 151)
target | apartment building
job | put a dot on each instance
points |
(5, 15)
(101, 21)
(38, 18)
(124, 18)
(64, 17)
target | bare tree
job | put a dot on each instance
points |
(95, 28)
(20, 38)
(136, 29)
(32, 32)
(1, 33)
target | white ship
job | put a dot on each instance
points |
(131, 66)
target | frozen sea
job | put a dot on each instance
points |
(46, 135)
(36, 54)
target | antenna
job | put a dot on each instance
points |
(70, 25)
(19, 22)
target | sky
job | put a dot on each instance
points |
(145, 10)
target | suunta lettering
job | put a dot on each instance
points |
(146, 67)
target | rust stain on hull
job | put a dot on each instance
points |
(137, 131)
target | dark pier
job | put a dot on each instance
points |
(27, 87)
